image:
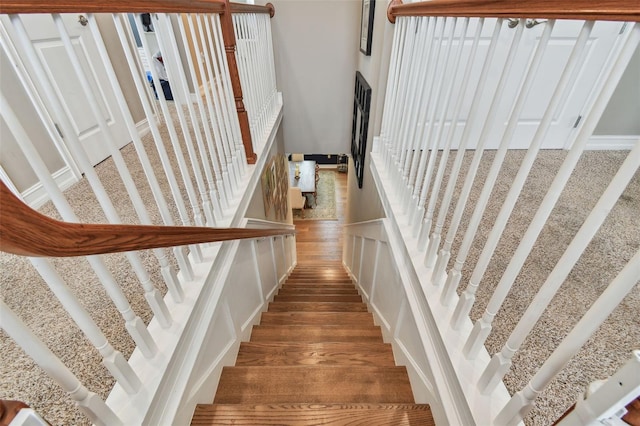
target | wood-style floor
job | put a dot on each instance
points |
(321, 240)
(316, 358)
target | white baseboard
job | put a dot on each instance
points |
(143, 127)
(36, 196)
(611, 142)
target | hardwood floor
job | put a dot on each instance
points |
(321, 240)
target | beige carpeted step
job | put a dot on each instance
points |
(314, 414)
(324, 353)
(313, 384)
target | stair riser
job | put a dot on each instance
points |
(315, 334)
(310, 290)
(315, 318)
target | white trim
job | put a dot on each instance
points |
(7, 181)
(611, 142)
(36, 195)
(142, 127)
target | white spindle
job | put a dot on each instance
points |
(482, 327)
(150, 113)
(90, 403)
(622, 385)
(418, 145)
(227, 100)
(153, 297)
(423, 179)
(512, 121)
(425, 227)
(434, 240)
(238, 158)
(167, 271)
(209, 123)
(173, 135)
(420, 82)
(212, 96)
(468, 297)
(111, 358)
(422, 191)
(133, 323)
(501, 362)
(180, 90)
(392, 90)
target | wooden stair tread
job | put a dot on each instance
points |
(316, 318)
(314, 414)
(317, 298)
(303, 286)
(322, 353)
(316, 333)
(317, 290)
(313, 384)
(317, 306)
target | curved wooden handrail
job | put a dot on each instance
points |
(26, 232)
(607, 10)
(112, 6)
(253, 8)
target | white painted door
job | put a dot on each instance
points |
(50, 50)
(576, 97)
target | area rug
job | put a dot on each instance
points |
(324, 205)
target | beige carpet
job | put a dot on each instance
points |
(324, 204)
(25, 292)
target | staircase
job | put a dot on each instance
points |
(315, 358)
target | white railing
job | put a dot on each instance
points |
(256, 67)
(190, 169)
(462, 86)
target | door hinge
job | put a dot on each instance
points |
(577, 121)
(58, 129)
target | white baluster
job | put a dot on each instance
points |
(500, 363)
(90, 403)
(150, 113)
(401, 30)
(238, 158)
(111, 358)
(434, 240)
(227, 100)
(421, 147)
(423, 191)
(216, 191)
(213, 106)
(390, 94)
(134, 324)
(482, 327)
(422, 68)
(166, 269)
(445, 252)
(425, 228)
(468, 297)
(594, 407)
(180, 87)
(173, 135)
(425, 171)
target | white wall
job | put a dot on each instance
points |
(316, 47)
(364, 203)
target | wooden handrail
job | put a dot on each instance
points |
(26, 232)
(112, 6)
(607, 10)
(253, 8)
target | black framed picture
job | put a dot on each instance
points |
(366, 26)
(360, 126)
